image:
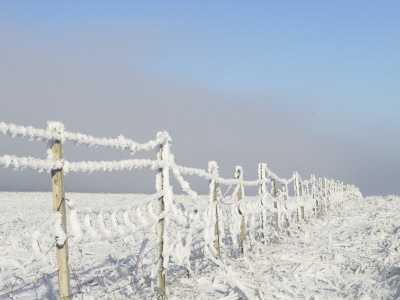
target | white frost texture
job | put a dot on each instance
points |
(351, 252)
(315, 238)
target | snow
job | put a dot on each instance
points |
(350, 252)
(331, 243)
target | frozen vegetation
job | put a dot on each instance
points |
(295, 238)
(351, 252)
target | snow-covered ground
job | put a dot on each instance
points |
(351, 252)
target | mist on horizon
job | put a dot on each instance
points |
(285, 85)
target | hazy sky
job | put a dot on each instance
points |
(308, 86)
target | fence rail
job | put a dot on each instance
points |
(311, 198)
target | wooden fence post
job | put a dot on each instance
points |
(314, 192)
(57, 181)
(162, 184)
(301, 195)
(213, 170)
(239, 176)
(327, 192)
(262, 191)
(296, 193)
(321, 196)
(285, 197)
(334, 186)
(276, 216)
(307, 189)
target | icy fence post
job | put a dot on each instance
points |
(276, 217)
(307, 192)
(301, 195)
(342, 190)
(262, 192)
(326, 185)
(334, 187)
(239, 176)
(57, 181)
(321, 196)
(162, 184)
(213, 170)
(296, 193)
(285, 197)
(314, 192)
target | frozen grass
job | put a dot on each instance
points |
(351, 252)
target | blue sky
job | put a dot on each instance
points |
(307, 79)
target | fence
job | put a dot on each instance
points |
(247, 218)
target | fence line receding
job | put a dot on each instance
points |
(250, 219)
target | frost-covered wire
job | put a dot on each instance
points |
(119, 208)
(184, 184)
(278, 179)
(205, 175)
(108, 166)
(78, 138)
(27, 162)
(120, 143)
(55, 131)
(28, 132)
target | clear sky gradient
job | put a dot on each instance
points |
(308, 86)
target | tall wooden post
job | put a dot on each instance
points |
(301, 195)
(262, 191)
(335, 186)
(239, 175)
(276, 216)
(296, 193)
(314, 194)
(307, 189)
(57, 180)
(213, 170)
(321, 196)
(285, 197)
(162, 184)
(326, 186)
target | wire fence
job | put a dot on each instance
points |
(232, 224)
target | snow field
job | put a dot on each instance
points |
(113, 247)
(113, 239)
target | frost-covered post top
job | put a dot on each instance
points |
(165, 135)
(57, 131)
(261, 176)
(296, 184)
(239, 172)
(296, 178)
(314, 181)
(55, 126)
(261, 170)
(213, 167)
(164, 152)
